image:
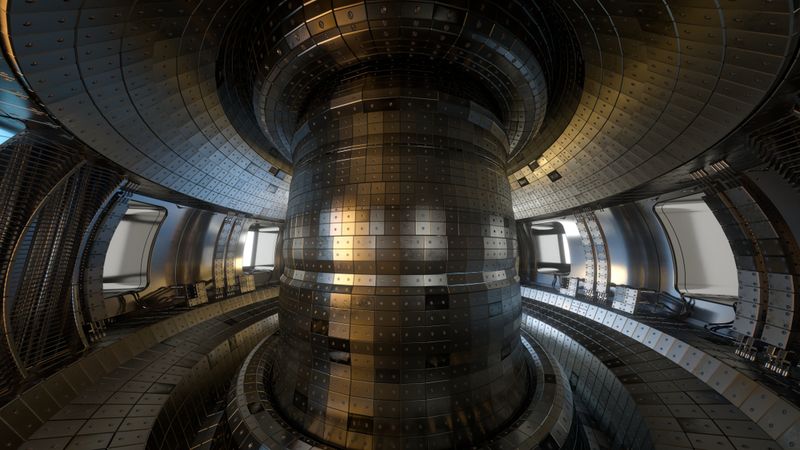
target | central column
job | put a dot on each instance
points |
(400, 303)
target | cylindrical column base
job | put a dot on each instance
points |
(400, 302)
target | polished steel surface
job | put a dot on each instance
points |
(146, 385)
(177, 239)
(90, 274)
(546, 422)
(400, 299)
(399, 302)
(183, 96)
(137, 82)
(634, 258)
(51, 200)
(400, 140)
(660, 378)
(595, 249)
(24, 186)
(662, 84)
(766, 257)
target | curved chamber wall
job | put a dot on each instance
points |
(638, 252)
(182, 252)
(703, 257)
(164, 246)
(127, 263)
(412, 135)
(574, 256)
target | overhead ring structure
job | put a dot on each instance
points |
(635, 93)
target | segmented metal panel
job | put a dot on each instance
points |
(634, 90)
(546, 422)
(148, 386)
(777, 143)
(664, 81)
(93, 261)
(138, 82)
(29, 169)
(220, 251)
(400, 301)
(228, 255)
(766, 267)
(38, 288)
(596, 256)
(693, 379)
(589, 281)
(625, 299)
(399, 305)
(233, 256)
